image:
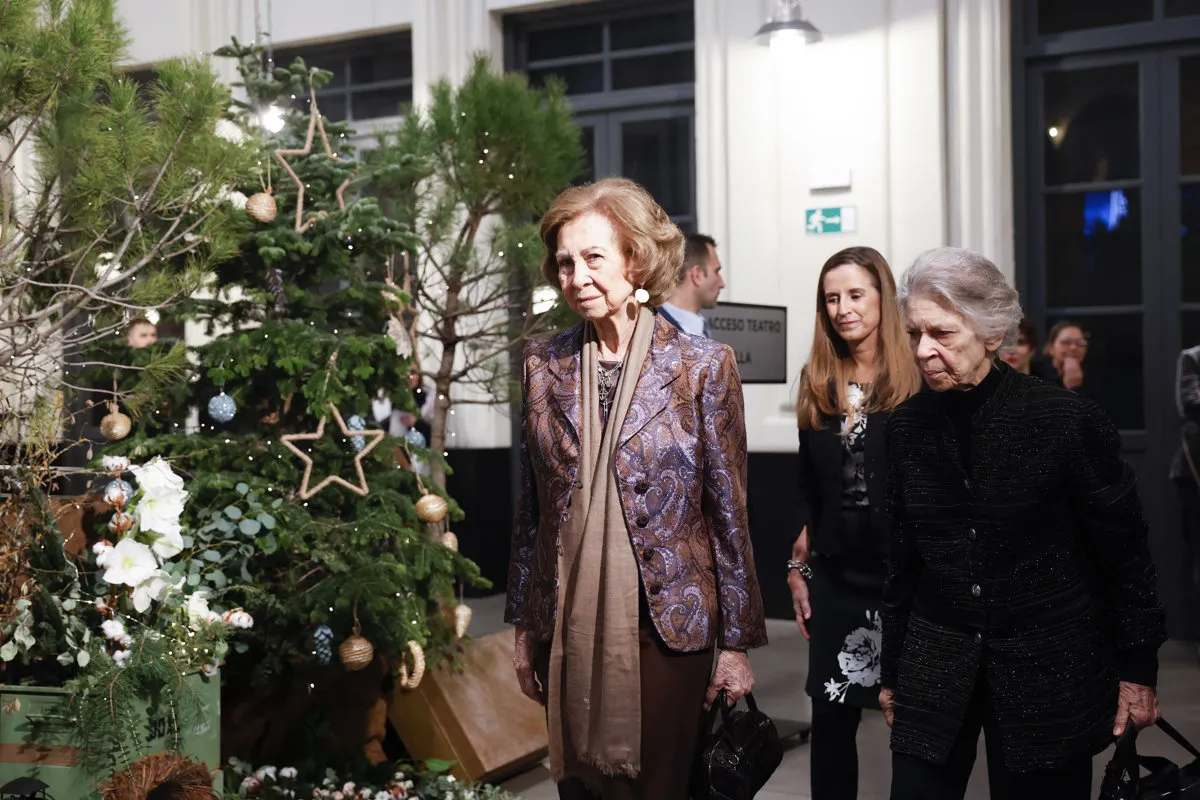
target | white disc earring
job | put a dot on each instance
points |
(642, 296)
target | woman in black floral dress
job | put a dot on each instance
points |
(859, 370)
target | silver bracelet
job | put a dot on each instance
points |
(803, 568)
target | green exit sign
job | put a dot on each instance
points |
(818, 221)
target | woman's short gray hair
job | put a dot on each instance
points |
(971, 285)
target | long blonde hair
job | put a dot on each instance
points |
(824, 381)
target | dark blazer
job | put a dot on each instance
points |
(681, 466)
(1187, 400)
(821, 482)
(1030, 572)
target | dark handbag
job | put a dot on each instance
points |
(734, 761)
(1164, 780)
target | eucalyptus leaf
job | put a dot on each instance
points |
(68, 605)
(277, 503)
(211, 555)
(250, 527)
(240, 647)
(246, 576)
(83, 658)
(267, 521)
(218, 578)
(63, 658)
(268, 544)
(242, 488)
(195, 565)
(9, 651)
(225, 526)
(188, 542)
(233, 512)
(193, 579)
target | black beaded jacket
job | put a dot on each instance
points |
(1018, 558)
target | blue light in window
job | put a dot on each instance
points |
(1105, 209)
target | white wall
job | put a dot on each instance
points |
(868, 99)
(872, 98)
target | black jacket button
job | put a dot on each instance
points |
(642, 487)
(643, 521)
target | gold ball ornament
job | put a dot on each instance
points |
(431, 508)
(115, 425)
(413, 680)
(449, 541)
(356, 653)
(261, 206)
(462, 619)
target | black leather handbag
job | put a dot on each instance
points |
(1163, 779)
(736, 759)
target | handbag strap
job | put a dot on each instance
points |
(1169, 730)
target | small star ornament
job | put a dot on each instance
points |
(361, 487)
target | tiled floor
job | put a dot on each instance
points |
(779, 689)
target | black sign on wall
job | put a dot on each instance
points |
(757, 334)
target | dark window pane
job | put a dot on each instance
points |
(577, 40)
(1059, 16)
(1191, 329)
(1091, 118)
(332, 106)
(674, 28)
(380, 102)
(1181, 8)
(580, 78)
(1189, 215)
(1112, 366)
(1189, 115)
(661, 70)
(1094, 248)
(657, 153)
(587, 137)
(382, 65)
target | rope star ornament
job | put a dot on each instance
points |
(315, 124)
(361, 489)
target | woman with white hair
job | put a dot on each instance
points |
(1020, 598)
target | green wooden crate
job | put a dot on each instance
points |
(36, 736)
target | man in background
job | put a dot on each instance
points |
(699, 286)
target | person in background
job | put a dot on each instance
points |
(141, 333)
(631, 558)
(859, 369)
(699, 286)
(1023, 355)
(1067, 347)
(1021, 599)
(1185, 468)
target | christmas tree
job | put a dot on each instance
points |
(475, 172)
(331, 540)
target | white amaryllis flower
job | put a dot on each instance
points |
(288, 773)
(237, 618)
(121, 657)
(154, 589)
(156, 474)
(129, 563)
(159, 509)
(165, 544)
(103, 552)
(265, 772)
(115, 463)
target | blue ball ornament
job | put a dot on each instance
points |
(357, 423)
(323, 644)
(415, 437)
(222, 408)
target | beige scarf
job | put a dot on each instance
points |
(595, 703)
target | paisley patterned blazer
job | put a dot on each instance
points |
(681, 468)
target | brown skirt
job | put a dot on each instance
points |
(673, 689)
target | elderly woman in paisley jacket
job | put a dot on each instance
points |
(631, 557)
(1021, 597)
